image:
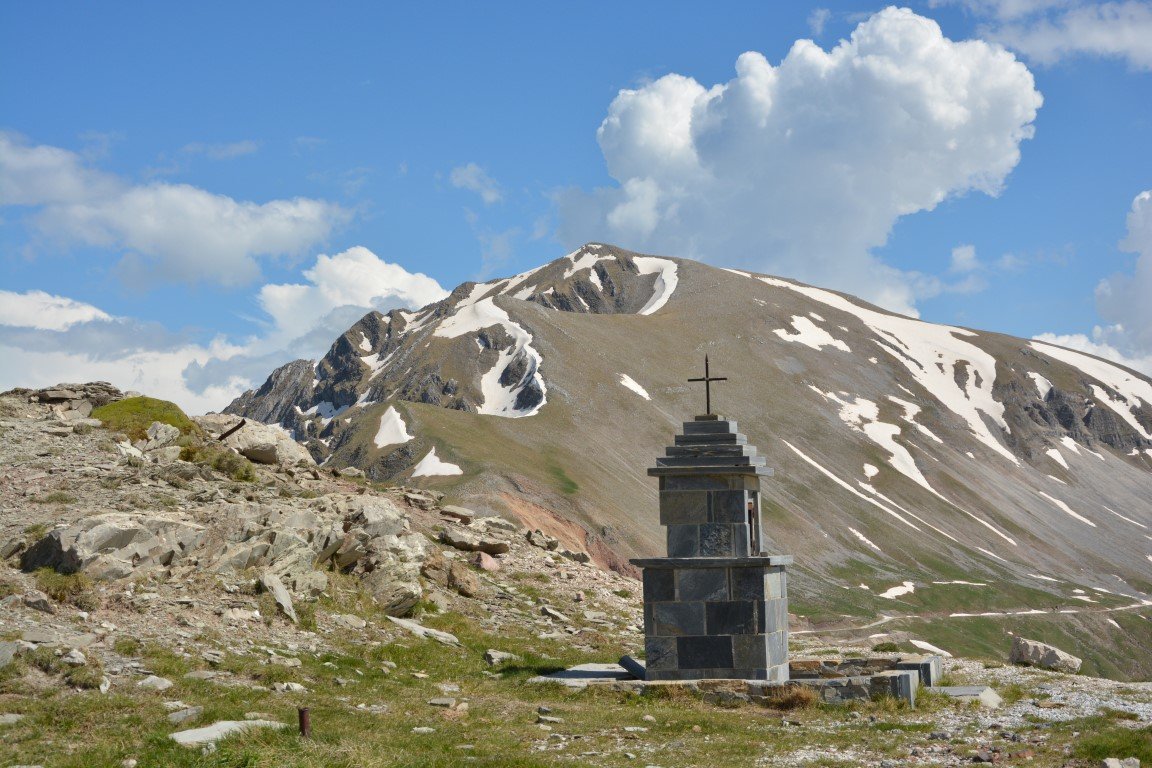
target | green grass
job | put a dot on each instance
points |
(1105, 741)
(55, 497)
(134, 415)
(219, 458)
(74, 588)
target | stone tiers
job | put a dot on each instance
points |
(717, 606)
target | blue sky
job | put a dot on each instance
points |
(192, 195)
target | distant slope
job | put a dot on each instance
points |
(904, 450)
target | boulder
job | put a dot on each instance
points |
(261, 443)
(279, 592)
(396, 596)
(463, 579)
(495, 658)
(485, 562)
(1036, 654)
(112, 545)
(161, 435)
(219, 730)
(422, 631)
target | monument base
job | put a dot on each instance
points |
(711, 618)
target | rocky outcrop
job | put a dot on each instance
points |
(114, 545)
(261, 443)
(1036, 654)
(275, 399)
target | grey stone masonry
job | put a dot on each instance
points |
(717, 605)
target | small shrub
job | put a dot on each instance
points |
(55, 497)
(36, 532)
(134, 415)
(886, 648)
(222, 459)
(624, 593)
(89, 676)
(126, 646)
(789, 697)
(74, 588)
(1118, 714)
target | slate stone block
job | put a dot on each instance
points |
(683, 541)
(750, 651)
(659, 585)
(684, 508)
(709, 427)
(730, 617)
(748, 583)
(704, 652)
(728, 506)
(694, 483)
(772, 587)
(660, 653)
(676, 619)
(715, 540)
(930, 668)
(708, 584)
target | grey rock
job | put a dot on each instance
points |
(981, 694)
(8, 652)
(10, 719)
(446, 702)
(554, 614)
(181, 716)
(74, 657)
(495, 658)
(1036, 654)
(39, 601)
(279, 592)
(421, 631)
(155, 683)
(212, 733)
(161, 435)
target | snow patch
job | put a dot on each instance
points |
(1113, 623)
(1133, 391)
(933, 354)
(864, 539)
(810, 335)
(666, 281)
(432, 465)
(910, 411)
(930, 648)
(499, 399)
(1043, 386)
(892, 593)
(393, 430)
(1057, 457)
(1065, 508)
(1126, 519)
(870, 471)
(1043, 578)
(992, 554)
(594, 278)
(963, 583)
(364, 343)
(584, 259)
(631, 384)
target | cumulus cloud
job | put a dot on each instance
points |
(357, 278)
(1100, 344)
(1123, 299)
(1047, 31)
(803, 168)
(473, 178)
(166, 232)
(47, 339)
(964, 259)
(43, 311)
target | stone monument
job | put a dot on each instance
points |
(717, 605)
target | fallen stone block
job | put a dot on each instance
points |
(421, 631)
(981, 694)
(219, 730)
(1036, 654)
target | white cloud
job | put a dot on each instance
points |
(1047, 31)
(1098, 344)
(225, 151)
(473, 178)
(964, 259)
(1126, 299)
(356, 277)
(43, 311)
(817, 19)
(167, 232)
(803, 168)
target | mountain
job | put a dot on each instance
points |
(967, 480)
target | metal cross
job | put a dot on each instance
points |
(708, 379)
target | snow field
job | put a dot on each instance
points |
(631, 384)
(393, 430)
(431, 465)
(810, 335)
(666, 281)
(932, 354)
(1065, 508)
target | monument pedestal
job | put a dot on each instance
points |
(717, 606)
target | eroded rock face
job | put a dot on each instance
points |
(1036, 654)
(112, 545)
(261, 443)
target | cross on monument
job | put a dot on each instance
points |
(708, 379)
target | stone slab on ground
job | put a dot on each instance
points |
(219, 730)
(982, 694)
(582, 675)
